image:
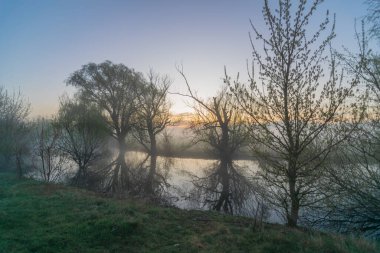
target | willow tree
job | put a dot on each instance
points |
(297, 101)
(219, 124)
(83, 136)
(114, 88)
(153, 117)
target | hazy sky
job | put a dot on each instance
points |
(43, 41)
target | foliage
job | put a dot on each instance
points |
(114, 88)
(14, 130)
(83, 137)
(292, 109)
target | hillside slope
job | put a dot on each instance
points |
(37, 217)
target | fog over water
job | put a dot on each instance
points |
(179, 173)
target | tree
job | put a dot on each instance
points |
(219, 123)
(291, 113)
(48, 162)
(83, 136)
(354, 173)
(364, 64)
(373, 18)
(14, 129)
(114, 88)
(354, 183)
(153, 117)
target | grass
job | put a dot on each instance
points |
(38, 217)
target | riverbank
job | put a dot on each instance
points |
(39, 217)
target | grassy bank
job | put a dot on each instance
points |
(37, 217)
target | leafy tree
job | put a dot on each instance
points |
(115, 89)
(295, 105)
(14, 130)
(83, 136)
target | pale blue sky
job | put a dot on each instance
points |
(43, 41)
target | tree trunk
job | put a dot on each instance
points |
(18, 164)
(225, 161)
(224, 198)
(294, 201)
(149, 186)
(80, 177)
(120, 181)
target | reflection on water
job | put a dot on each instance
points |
(175, 183)
(180, 173)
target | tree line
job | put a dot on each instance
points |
(309, 113)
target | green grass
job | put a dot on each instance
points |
(37, 217)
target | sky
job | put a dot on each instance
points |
(43, 41)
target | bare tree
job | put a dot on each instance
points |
(49, 163)
(219, 124)
(354, 171)
(83, 136)
(365, 64)
(114, 88)
(354, 183)
(14, 129)
(153, 117)
(290, 111)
